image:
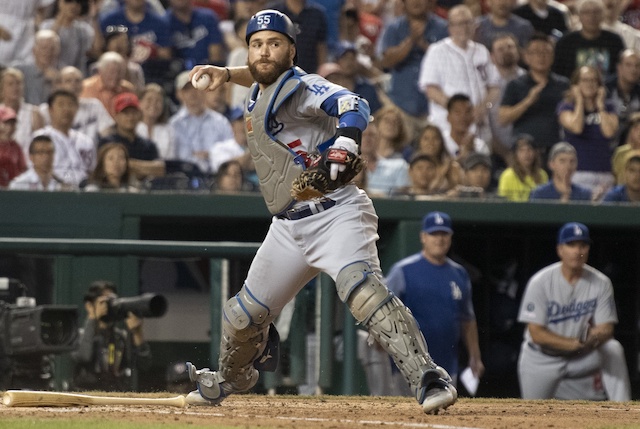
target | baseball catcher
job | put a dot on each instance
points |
(321, 222)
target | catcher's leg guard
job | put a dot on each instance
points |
(245, 337)
(394, 327)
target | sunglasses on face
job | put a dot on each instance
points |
(112, 29)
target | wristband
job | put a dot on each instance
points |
(353, 133)
(228, 74)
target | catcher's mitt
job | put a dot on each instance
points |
(316, 181)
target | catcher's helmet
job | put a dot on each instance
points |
(272, 20)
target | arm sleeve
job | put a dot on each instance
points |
(563, 106)
(504, 184)
(606, 310)
(350, 109)
(390, 37)
(493, 76)
(466, 309)
(430, 69)
(510, 97)
(162, 32)
(533, 306)
(395, 281)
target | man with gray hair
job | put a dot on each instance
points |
(589, 46)
(42, 70)
(455, 65)
(563, 163)
(108, 81)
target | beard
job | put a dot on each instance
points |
(267, 77)
(509, 61)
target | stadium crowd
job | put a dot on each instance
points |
(477, 98)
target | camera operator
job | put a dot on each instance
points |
(107, 354)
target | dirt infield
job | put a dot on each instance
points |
(339, 412)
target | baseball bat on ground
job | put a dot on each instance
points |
(33, 398)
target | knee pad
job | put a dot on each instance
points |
(244, 316)
(612, 347)
(361, 290)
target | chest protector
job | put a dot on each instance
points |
(275, 163)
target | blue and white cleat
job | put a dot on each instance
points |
(208, 382)
(437, 393)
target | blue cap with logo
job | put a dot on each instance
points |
(437, 222)
(272, 20)
(573, 231)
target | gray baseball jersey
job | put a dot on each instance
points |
(565, 309)
(569, 310)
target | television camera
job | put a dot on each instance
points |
(27, 328)
(29, 334)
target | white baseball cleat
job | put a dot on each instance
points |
(209, 382)
(213, 388)
(195, 398)
(437, 393)
(439, 398)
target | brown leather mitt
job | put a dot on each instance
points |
(316, 181)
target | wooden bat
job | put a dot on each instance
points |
(33, 398)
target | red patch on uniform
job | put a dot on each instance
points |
(597, 382)
(249, 125)
(294, 144)
(337, 155)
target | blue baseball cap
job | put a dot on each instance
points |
(437, 222)
(573, 231)
(272, 20)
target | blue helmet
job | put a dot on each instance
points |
(272, 20)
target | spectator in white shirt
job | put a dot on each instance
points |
(457, 64)
(39, 177)
(75, 153)
(197, 128)
(154, 123)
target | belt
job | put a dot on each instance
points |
(547, 351)
(311, 209)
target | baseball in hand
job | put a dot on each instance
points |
(202, 82)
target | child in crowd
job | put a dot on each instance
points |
(423, 171)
